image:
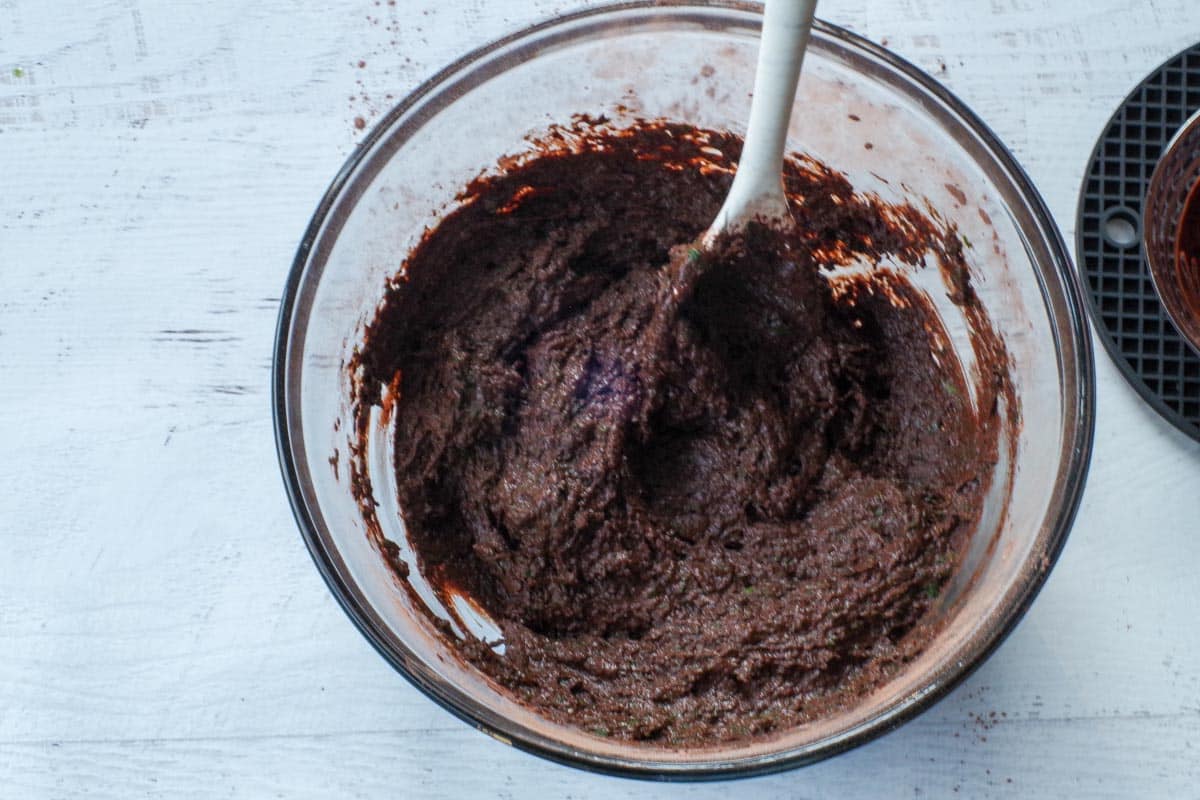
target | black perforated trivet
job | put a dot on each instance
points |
(1133, 325)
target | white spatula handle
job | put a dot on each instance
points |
(758, 185)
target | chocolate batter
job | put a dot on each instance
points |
(705, 497)
(1187, 250)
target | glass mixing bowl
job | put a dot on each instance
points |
(1171, 186)
(862, 110)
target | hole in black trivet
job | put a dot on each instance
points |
(1121, 228)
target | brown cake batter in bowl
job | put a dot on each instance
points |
(665, 516)
(701, 497)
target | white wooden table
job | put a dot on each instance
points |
(162, 629)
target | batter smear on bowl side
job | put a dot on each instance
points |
(703, 499)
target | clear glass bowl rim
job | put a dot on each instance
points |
(1079, 416)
